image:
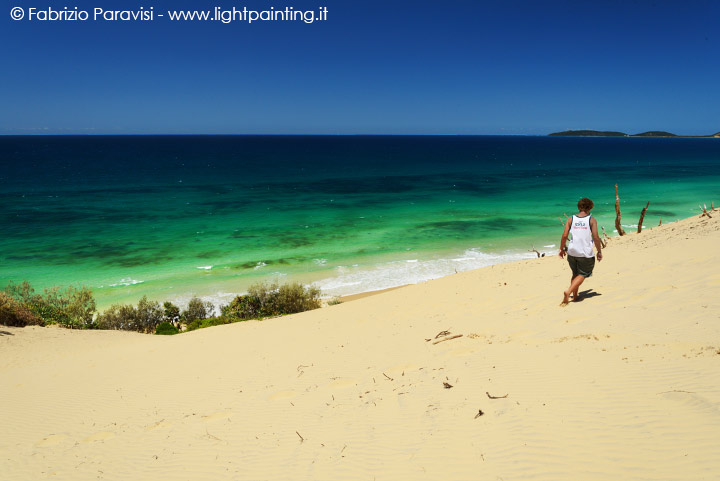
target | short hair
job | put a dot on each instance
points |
(585, 204)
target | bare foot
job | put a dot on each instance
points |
(566, 299)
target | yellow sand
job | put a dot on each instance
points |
(623, 385)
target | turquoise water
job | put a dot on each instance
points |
(176, 216)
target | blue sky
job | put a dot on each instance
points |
(374, 67)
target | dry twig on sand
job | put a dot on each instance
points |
(442, 333)
(495, 397)
(480, 413)
(447, 338)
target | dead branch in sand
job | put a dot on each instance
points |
(480, 413)
(447, 385)
(642, 216)
(388, 377)
(301, 438)
(705, 211)
(495, 397)
(618, 226)
(442, 333)
(536, 252)
(447, 338)
(605, 236)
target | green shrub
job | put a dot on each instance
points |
(71, 306)
(119, 317)
(15, 313)
(197, 309)
(209, 322)
(171, 313)
(166, 329)
(149, 314)
(264, 300)
(335, 301)
(125, 317)
(242, 307)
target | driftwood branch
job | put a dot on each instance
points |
(705, 211)
(447, 338)
(495, 397)
(536, 252)
(618, 226)
(561, 219)
(642, 216)
(301, 438)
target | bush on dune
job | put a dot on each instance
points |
(126, 317)
(72, 307)
(209, 322)
(171, 313)
(197, 310)
(265, 300)
(166, 329)
(16, 314)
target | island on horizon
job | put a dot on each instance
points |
(602, 133)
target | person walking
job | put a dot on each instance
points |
(583, 228)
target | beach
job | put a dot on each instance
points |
(622, 385)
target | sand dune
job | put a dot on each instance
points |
(623, 385)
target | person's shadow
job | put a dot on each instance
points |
(587, 294)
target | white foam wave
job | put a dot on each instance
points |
(126, 282)
(207, 268)
(259, 265)
(354, 279)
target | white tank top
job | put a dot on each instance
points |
(581, 244)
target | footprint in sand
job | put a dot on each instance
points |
(101, 436)
(160, 424)
(282, 395)
(216, 416)
(52, 440)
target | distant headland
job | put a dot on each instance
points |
(601, 133)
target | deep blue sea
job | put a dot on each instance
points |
(176, 216)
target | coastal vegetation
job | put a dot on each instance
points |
(71, 307)
(75, 308)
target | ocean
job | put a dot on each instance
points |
(173, 217)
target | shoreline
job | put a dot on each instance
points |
(225, 294)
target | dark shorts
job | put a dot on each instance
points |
(581, 266)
